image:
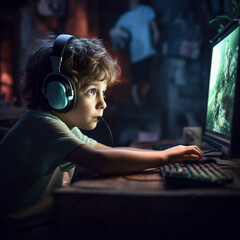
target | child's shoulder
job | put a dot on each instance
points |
(38, 117)
(39, 114)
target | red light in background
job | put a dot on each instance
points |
(6, 86)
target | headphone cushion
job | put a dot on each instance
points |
(56, 95)
(60, 92)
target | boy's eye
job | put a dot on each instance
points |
(91, 92)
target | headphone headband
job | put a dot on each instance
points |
(60, 43)
(59, 46)
(57, 88)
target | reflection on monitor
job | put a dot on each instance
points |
(222, 86)
(222, 111)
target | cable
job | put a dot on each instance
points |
(110, 132)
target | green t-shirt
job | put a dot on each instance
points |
(33, 163)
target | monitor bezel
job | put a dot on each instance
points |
(230, 147)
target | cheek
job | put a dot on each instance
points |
(82, 108)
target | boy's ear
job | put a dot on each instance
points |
(59, 90)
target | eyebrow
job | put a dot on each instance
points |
(94, 85)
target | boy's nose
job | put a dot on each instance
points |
(102, 104)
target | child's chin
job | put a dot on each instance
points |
(90, 127)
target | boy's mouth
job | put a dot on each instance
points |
(98, 118)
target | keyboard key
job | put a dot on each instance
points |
(194, 174)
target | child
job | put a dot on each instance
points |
(66, 79)
(139, 22)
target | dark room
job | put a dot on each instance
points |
(120, 119)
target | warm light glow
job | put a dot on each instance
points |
(77, 23)
(81, 19)
(6, 85)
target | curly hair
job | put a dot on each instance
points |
(84, 61)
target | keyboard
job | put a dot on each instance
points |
(195, 174)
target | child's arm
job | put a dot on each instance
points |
(117, 160)
(104, 147)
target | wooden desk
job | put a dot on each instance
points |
(140, 205)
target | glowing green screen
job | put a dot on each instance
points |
(222, 84)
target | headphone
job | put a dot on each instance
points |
(59, 90)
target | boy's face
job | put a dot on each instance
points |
(90, 105)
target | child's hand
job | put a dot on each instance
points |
(182, 153)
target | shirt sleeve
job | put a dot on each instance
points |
(83, 138)
(87, 140)
(145, 12)
(122, 21)
(151, 13)
(52, 142)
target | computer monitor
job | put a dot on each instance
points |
(222, 112)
